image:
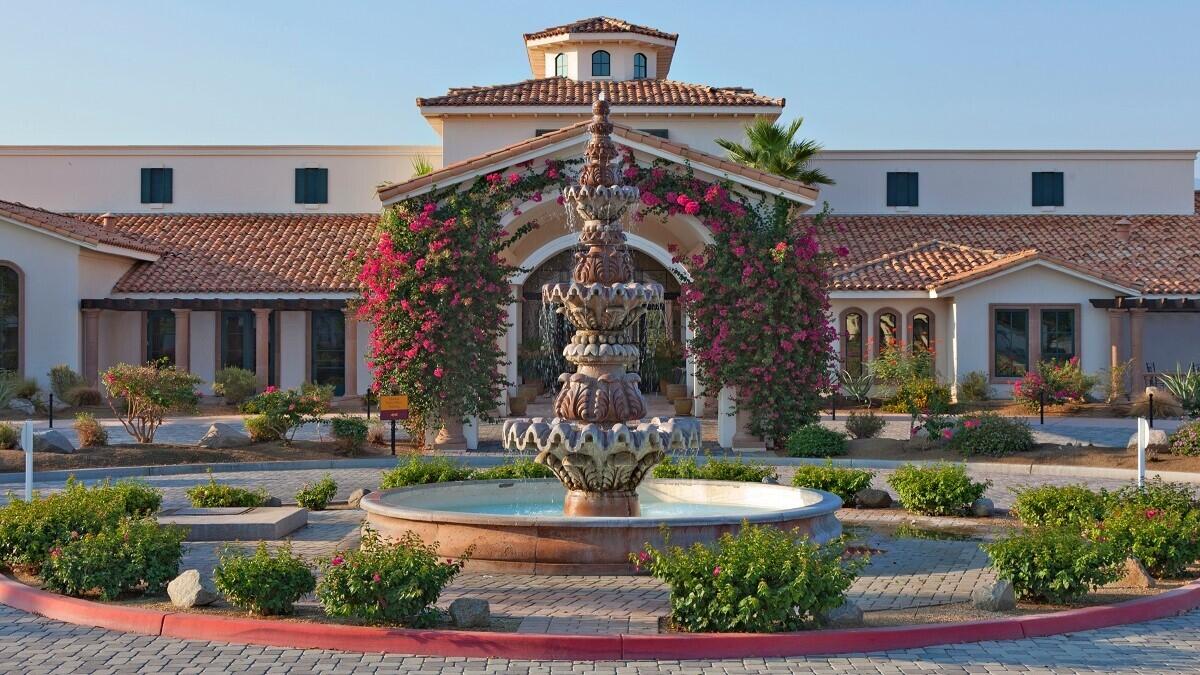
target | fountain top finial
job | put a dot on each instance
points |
(598, 170)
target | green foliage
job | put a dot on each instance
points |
(899, 364)
(814, 440)
(63, 380)
(973, 387)
(715, 468)
(264, 583)
(936, 490)
(1054, 564)
(25, 388)
(857, 387)
(1166, 541)
(235, 384)
(279, 413)
(8, 387)
(421, 165)
(259, 429)
(843, 482)
(386, 582)
(1058, 381)
(518, 469)
(91, 433)
(83, 395)
(1055, 505)
(135, 553)
(419, 471)
(920, 396)
(350, 432)
(992, 435)
(774, 148)
(1185, 387)
(864, 425)
(1185, 440)
(316, 496)
(760, 580)
(1157, 494)
(214, 495)
(10, 436)
(148, 394)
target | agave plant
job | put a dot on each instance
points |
(1185, 387)
(858, 387)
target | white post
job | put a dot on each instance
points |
(1143, 440)
(27, 444)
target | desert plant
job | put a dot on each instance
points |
(26, 388)
(517, 469)
(864, 425)
(1185, 387)
(814, 440)
(63, 380)
(349, 432)
(1185, 441)
(259, 429)
(1165, 405)
(10, 436)
(1058, 505)
(1053, 564)
(264, 583)
(418, 471)
(857, 387)
(136, 553)
(280, 413)
(91, 433)
(148, 394)
(235, 384)
(8, 387)
(843, 482)
(715, 468)
(991, 434)
(316, 496)
(421, 166)
(378, 433)
(973, 387)
(936, 490)
(213, 495)
(83, 395)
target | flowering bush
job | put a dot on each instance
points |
(1060, 381)
(1186, 440)
(1166, 541)
(936, 490)
(991, 434)
(715, 468)
(149, 393)
(843, 482)
(1057, 505)
(136, 553)
(391, 582)
(280, 413)
(264, 583)
(760, 580)
(1053, 564)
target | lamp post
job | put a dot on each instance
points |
(1150, 391)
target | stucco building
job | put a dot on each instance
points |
(216, 256)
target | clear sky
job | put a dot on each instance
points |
(953, 74)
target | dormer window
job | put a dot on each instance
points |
(560, 65)
(601, 64)
(639, 66)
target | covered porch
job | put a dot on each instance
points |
(1157, 335)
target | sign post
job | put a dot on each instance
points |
(391, 409)
(27, 444)
(1143, 440)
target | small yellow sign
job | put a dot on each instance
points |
(393, 407)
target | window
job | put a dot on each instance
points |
(237, 340)
(601, 64)
(888, 330)
(1057, 335)
(329, 350)
(10, 319)
(160, 335)
(1011, 346)
(902, 188)
(312, 186)
(661, 133)
(560, 65)
(921, 330)
(156, 186)
(1047, 188)
(852, 343)
(639, 66)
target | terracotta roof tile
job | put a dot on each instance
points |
(600, 24)
(922, 265)
(77, 229)
(565, 91)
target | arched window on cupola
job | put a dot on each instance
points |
(560, 65)
(601, 63)
(639, 66)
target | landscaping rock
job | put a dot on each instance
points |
(770, 480)
(848, 615)
(52, 441)
(22, 406)
(272, 501)
(1136, 576)
(870, 498)
(470, 613)
(982, 508)
(60, 405)
(997, 596)
(191, 590)
(1158, 442)
(221, 435)
(356, 497)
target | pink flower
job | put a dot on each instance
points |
(438, 372)
(971, 424)
(55, 552)
(513, 179)
(947, 433)
(376, 578)
(552, 173)
(1151, 513)
(337, 561)
(717, 571)
(493, 178)
(842, 251)
(271, 389)
(691, 208)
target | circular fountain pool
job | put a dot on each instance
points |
(518, 526)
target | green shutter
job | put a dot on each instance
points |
(893, 184)
(321, 176)
(167, 181)
(1056, 184)
(912, 189)
(147, 189)
(300, 186)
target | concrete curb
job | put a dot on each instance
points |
(584, 647)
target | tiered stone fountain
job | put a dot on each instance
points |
(597, 444)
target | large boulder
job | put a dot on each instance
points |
(997, 596)
(191, 590)
(52, 441)
(870, 498)
(357, 496)
(846, 615)
(22, 406)
(1135, 576)
(1159, 443)
(982, 508)
(470, 613)
(221, 435)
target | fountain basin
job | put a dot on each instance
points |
(517, 526)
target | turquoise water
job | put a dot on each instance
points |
(649, 509)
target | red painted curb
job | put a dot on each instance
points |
(584, 647)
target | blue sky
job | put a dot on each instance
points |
(961, 74)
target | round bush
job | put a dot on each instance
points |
(864, 425)
(1186, 440)
(843, 482)
(235, 384)
(264, 583)
(10, 436)
(350, 432)
(992, 435)
(1056, 505)
(91, 433)
(936, 490)
(1054, 564)
(814, 440)
(135, 554)
(316, 496)
(1166, 541)
(83, 396)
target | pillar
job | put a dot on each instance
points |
(351, 353)
(262, 346)
(1136, 320)
(1114, 340)
(183, 339)
(91, 346)
(450, 438)
(733, 428)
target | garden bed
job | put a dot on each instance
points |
(157, 454)
(1042, 454)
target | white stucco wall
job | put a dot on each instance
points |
(203, 347)
(870, 307)
(99, 272)
(579, 60)
(1170, 340)
(293, 349)
(120, 338)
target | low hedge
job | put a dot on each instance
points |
(936, 490)
(843, 482)
(715, 468)
(814, 440)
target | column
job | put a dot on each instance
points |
(262, 346)
(1114, 339)
(351, 353)
(91, 346)
(1136, 320)
(183, 339)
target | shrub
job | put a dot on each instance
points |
(715, 469)
(63, 380)
(235, 384)
(936, 490)
(378, 433)
(1054, 505)
(283, 412)
(264, 583)
(898, 364)
(350, 432)
(214, 495)
(1166, 541)
(973, 387)
(991, 434)
(8, 387)
(1185, 440)
(921, 396)
(1185, 387)
(1157, 494)
(259, 430)
(814, 440)
(1060, 381)
(1165, 405)
(418, 471)
(84, 395)
(136, 553)
(91, 433)
(760, 580)
(26, 388)
(857, 387)
(395, 583)
(10, 436)
(519, 469)
(864, 425)
(843, 482)
(316, 496)
(1054, 564)
(149, 393)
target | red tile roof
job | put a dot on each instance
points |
(600, 24)
(565, 91)
(922, 265)
(73, 228)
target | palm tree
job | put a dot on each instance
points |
(773, 148)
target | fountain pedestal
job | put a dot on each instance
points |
(622, 504)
